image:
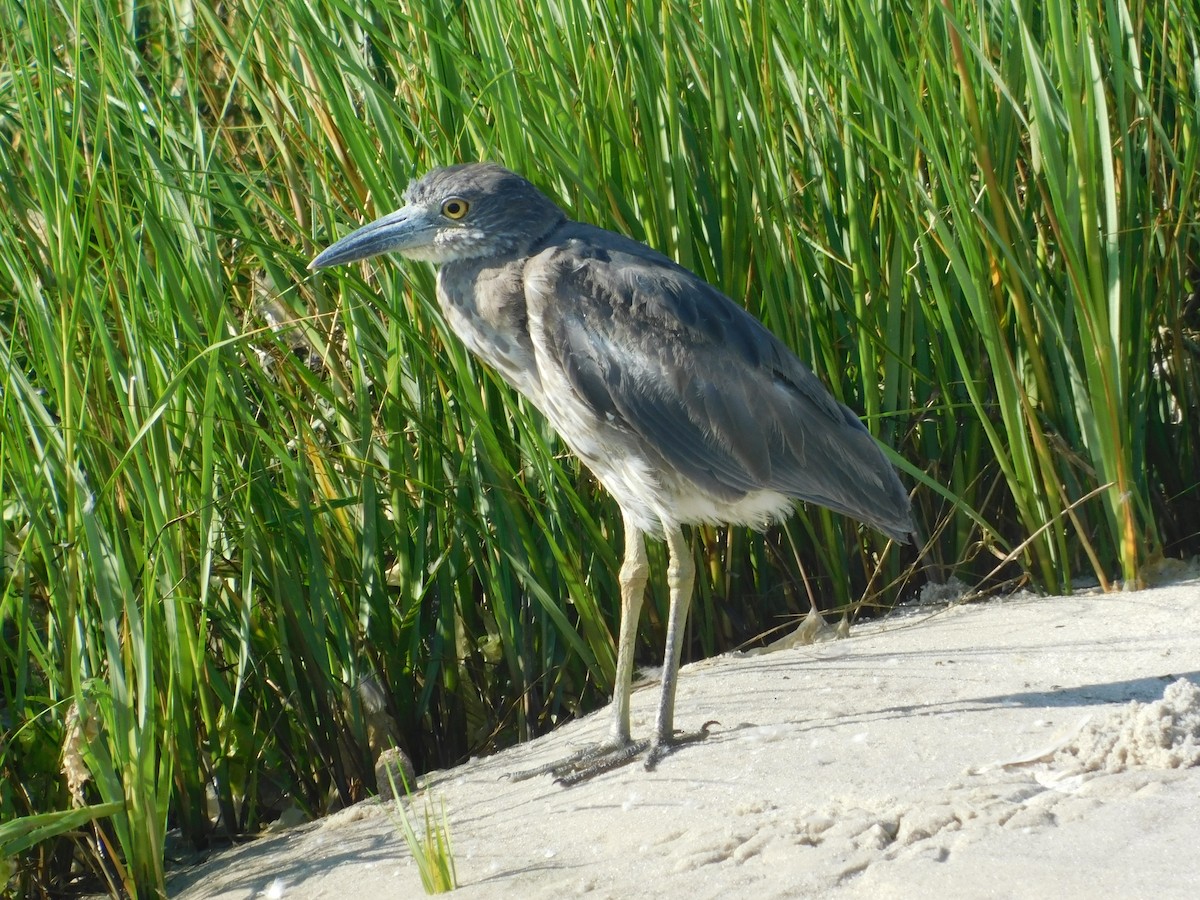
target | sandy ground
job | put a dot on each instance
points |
(1032, 747)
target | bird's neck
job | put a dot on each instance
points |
(484, 304)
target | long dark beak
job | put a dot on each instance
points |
(404, 229)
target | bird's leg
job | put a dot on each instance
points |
(618, 748)
(681, 577)
(634, 572)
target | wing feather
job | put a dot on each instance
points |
(659, 352)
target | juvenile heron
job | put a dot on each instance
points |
(681, 403)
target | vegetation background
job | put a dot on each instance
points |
(259, 524)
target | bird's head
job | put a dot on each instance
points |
(467, 211)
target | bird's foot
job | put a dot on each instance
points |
(592, 761)
(660, 749)
(587, 762)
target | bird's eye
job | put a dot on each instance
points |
(455, 208)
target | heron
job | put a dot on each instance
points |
(681, 403)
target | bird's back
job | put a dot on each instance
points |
(666, 386)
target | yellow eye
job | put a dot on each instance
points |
(455, 208)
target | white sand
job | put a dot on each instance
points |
(1024, 748)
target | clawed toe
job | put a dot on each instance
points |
(586, 763)
(597, 754)
(661, 749)
(603, 761)
(592, 761)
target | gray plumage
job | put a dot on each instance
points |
(680, 402)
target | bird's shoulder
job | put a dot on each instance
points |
(622, 283)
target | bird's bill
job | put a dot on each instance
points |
(405, 229)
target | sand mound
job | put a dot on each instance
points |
(1164, 734)
(845, 770)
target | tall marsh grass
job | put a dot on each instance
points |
(258, 524)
